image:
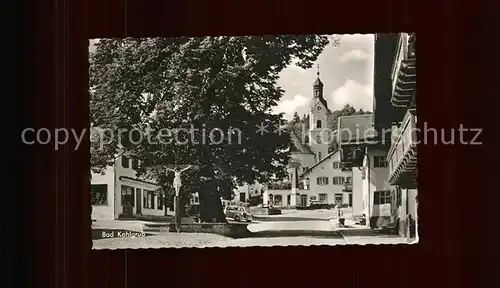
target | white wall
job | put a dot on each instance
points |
(284, 196)
(129, 172)
(378, 179)
(326, 169)
(412, 203)
(249, 190)
(357, 192)
(105, 212)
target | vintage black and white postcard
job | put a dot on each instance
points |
(243, 141)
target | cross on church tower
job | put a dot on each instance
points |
(317, 73)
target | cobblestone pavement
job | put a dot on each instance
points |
(166, 240)
(133, 225)
(282, 241)
(291, 225)
(377, 240)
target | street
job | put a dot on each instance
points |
(309, 227)
(292, 228)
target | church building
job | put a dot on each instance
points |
(316, 174)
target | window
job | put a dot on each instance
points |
(318, 124)
(135, 164)
(379, 162)
(308, 184)
(99, 194)
(312, 198)
(288, 199)
(242, 197)
(348, 180)
(338, 180)
(338, 198)
(318, 139)
(195, 199)
(319, 156)
(160, 202)
(149, 199)
(125, 162)
(382, 197)
(322, 198)
(336, 165)
(322, 180)
(278, 200)
(128, 196)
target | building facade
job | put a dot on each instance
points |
(248, 191)
(119, 192)
(314, 174)
(327, 182)
(387, 156)
(402, 156)
(364, 152)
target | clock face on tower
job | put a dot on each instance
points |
(319, 108)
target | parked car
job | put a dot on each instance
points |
(237, 213)
(318, 205)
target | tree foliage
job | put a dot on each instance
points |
(301, 125)
(203, 83)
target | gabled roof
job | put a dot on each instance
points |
(316, 165)
(323, 101)
(298, 146)
(138, 180)
(356, 129)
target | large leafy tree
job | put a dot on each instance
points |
(190, 88)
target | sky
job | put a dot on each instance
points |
(346, 72)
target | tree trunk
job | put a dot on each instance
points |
(210, 204)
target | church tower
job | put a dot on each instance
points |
(319, 134)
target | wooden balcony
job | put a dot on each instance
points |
(402, 156)
(404, 72)
(347, 187)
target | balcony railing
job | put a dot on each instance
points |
(347, 187)
(402, 156)
(403, 71)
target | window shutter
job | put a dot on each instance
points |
(326, 180)
(376, 198)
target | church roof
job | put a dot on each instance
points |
(318, 83)
(356, 128)
(298, 146)
(323, 101)
(319, 162)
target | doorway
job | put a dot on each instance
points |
(138, 201)
(303, 200)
